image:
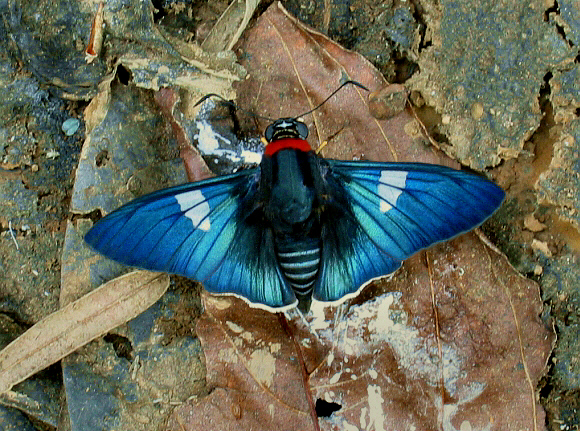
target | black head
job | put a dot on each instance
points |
(284, 128)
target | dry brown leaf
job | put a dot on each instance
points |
(78, 323)
(195, 167)
(452, 342)
(254, 371)
(293, 68)
(230, 26)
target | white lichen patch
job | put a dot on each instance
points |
(375, 401)
(210, 143)
(234, 327)
(318, 320)
(228, 356)
(262, 366)
(466, 395)
(251, 157)
(387, 322)
(334, 379)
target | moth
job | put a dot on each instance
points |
(299, 226)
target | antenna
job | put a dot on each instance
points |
(358, 84)
(232, 104)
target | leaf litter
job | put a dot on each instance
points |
(78, 323)
(108, 151)
(447, 343)
(451, 341)
(292, 69)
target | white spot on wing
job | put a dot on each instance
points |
(196, 208)
(389, 188)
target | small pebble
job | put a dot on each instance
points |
(70, 126)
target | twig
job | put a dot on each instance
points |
(12, 235)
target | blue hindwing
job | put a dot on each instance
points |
(395, 210)
(197, 230)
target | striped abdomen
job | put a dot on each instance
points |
(299, 262)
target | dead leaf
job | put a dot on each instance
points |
(78, 323)
(96, 37)
(453, 341)
(230, 26)
(195, 167)
(293, 68)
(124, 145)
(253, 369)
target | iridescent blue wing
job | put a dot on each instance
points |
(393, 211)
(204, 231)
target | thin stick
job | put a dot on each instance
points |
(12, 235)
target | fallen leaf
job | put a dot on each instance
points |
(196, 169)
(230, 26)
(448, 343)
(293, 68)
(96, 36)
(78, 323)
(125, 152)
(253, 369)
(454, 342)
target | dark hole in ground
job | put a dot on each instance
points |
(121, 345)
(124, 75)
(404, 69)
(324, 409)
(102, 158)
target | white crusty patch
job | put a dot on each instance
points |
(375, 399)
(234, 327)
(262, 366)
(209, 145)
(389, 188)
(196, 208)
